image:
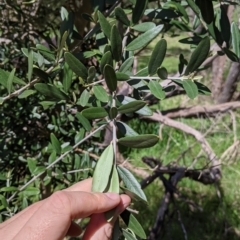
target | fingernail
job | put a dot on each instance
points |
(113, 196)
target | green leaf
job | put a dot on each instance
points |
(113, 112)
(143, 39)
(91, 74)
(41, 74)
(156, 89)
(128, 235)
(114, 182)
(202, 89)
(206, 8)
(105, 25)
(94, 113)
(191, 88)
(133, 224)
(138, 10)
(122, 76)
(10, 80)
(225, 26)
(31, 191)
(100, 93)
(193, 6)
(131, 106)
(106, 60)
(35, 55)
(198, 56)
(46, 52)
(127, 64)
(143, 27)
(26, 93)
(50, 91)
(8, 189)
(125, 129)
(140, 141)
(83, 100)
(235, 39)
(121, 16)
(162, 73)
(67, 77)
(31, 164)
(116, 43)
(157, 56)
(131, 183)
(30, 64)
(231, 55)
(78, 68)
(110, 78)
(55, 143)
(103, 170)
(4, 75)
(84, 121)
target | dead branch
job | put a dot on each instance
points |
(197, 111)
(213, 173)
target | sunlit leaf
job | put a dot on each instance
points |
(191, 88)
(105, 25)
(127, 64)
(100, 93)
(143, 39)
(26, 93)
(128, 235)
(131, 183)
(143, 27)
(157, 56)
(10, 80)
(101, 175)
(83, 100)
(140, 141)
(46, 52)
(122, 76)
(156, 89)
(84, 121)
(235, 39)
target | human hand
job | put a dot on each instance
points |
(51, 219)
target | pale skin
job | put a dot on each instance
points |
(52, 218)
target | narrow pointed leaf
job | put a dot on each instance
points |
(193, 6)
(225, 26)
(10, 80)
(140, 141)
(114, 182)
(26, 93)
(30, 64)
(78, 68)
(105, 25)
(106, 59)
(143, 27)
(113, 112)
(128, 235)
(231, 55)
(138, 10)
(91, 74)
(103, 170)
(67, 77)
(198, 56)
(156, 89)
(127, 64)
(191, 88)
(84, 121)
(157, 56)
(83, 100)
(131, 183)
(143, 39)
(55, 144)
(94, 113)
(41, 74)
(125, 129)
(202, 89)
(235, 39)
(4, 75)
(116, 43)
(46, 52)
(121, 16)
(110, 78)
(131, 106)
(50, 91)
(206, 8)
(100, 93)
(122, 76)
(133, 224)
